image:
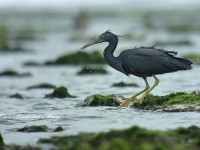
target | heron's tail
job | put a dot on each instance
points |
(184, 64)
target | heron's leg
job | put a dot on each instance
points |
(133, 98)
(149, 90)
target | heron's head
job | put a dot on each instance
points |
(104, 37)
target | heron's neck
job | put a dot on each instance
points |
(113, 61)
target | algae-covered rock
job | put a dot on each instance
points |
(134, 138)
(31, 63)
(12, 73)
(101, 100)
(16, 95)
(173, 102)
(40, 128)
(194, 57)
(92, 70)
(123, 84)
(42, 85)
(60, 92)
(78, 58)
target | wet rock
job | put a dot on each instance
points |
(123, 84)
(16, 95)
(91, 70)
(194, 57)
(101, 100)
(134, 137)
(42, 85)
(78, 58)
(40, 128)
(175, 102)
(58, 129)
(60, 92)
(12, 73)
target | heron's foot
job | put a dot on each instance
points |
(127, 102)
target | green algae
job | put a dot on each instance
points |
(60, 92)
(42, 85)
(34, 128)
(101, 100)
(92, 70)
(134, 138)
(194, 57)
(181, 98)
(1, 141)
(123, 84)
(78, 58)
(183, 27)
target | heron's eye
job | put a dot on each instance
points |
(102, 37)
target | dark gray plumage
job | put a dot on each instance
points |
(142, 62)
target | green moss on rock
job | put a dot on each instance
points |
(40, 128)
(123, 84)
(92, 70)
(42, 85)
(134, 138)
(60, 92)
(194, 57)
(78, 58)
(101, 100)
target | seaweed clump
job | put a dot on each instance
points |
(101, 100)
(133, 138)
(17, 96)
(78, 58)
(60, 92)
(12, 73)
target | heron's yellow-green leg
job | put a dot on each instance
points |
(149, 90)
(133, 98)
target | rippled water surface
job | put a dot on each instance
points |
(37, 110)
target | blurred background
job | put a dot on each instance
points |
(36, 33)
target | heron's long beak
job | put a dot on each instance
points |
(98, 40)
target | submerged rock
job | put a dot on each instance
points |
(175, 102)
(60, 92)
(42, 85)
(16, 95)
(100, 100)
(13, 73)
(40, 128)
(123, 84)
(78, 58)
(132, 138)
(92, 70)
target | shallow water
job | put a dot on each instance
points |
(37, 110)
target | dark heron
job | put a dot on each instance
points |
(142, 62)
